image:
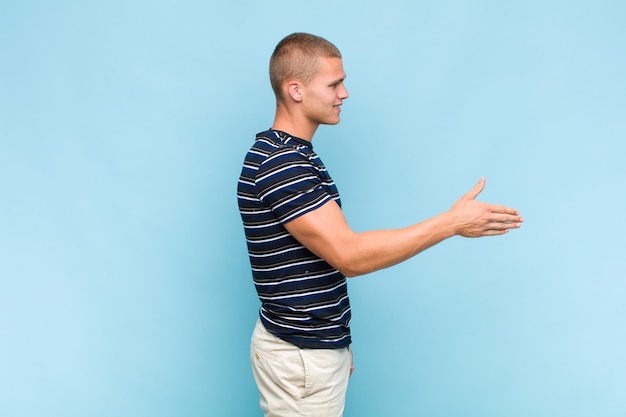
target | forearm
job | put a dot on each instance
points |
(370, 251)
(325, 232)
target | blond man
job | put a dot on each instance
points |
(301, 248)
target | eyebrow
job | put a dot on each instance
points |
(338, 80)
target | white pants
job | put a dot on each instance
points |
(298, 382)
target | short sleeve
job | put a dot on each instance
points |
(290, 184)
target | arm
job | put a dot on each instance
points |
(326, 233)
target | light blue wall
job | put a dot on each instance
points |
(124, 281)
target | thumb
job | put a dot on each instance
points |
(478, 188)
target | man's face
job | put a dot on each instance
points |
(323, 96)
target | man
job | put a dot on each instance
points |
(301, 248)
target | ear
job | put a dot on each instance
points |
(294, 89)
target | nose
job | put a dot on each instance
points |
(343, 92)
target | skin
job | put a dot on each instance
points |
(325, 231)
(307, 105)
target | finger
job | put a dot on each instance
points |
(505, 217)
(493, 225)
(502, 226)
(499, 229)
(478, 188)
(495, 232)
(503, 210)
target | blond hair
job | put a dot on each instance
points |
(296, 57)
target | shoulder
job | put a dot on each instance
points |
(276, 150)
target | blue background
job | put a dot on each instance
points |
(124, 281)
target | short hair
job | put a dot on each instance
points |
(297, 57)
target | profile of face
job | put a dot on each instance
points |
(323, 96)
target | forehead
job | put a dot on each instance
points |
(330, 69)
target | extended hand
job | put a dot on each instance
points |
(476, 219)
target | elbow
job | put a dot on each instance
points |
(349, 273)
(349, 269)
(350, 266)
(347, 261)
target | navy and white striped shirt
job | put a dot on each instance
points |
(304, 300)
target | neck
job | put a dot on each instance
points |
(293, 123)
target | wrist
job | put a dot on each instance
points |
(447, 224)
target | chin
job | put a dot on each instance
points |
(329, 120)
(334, 120)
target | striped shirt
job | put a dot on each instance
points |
(304, 300)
